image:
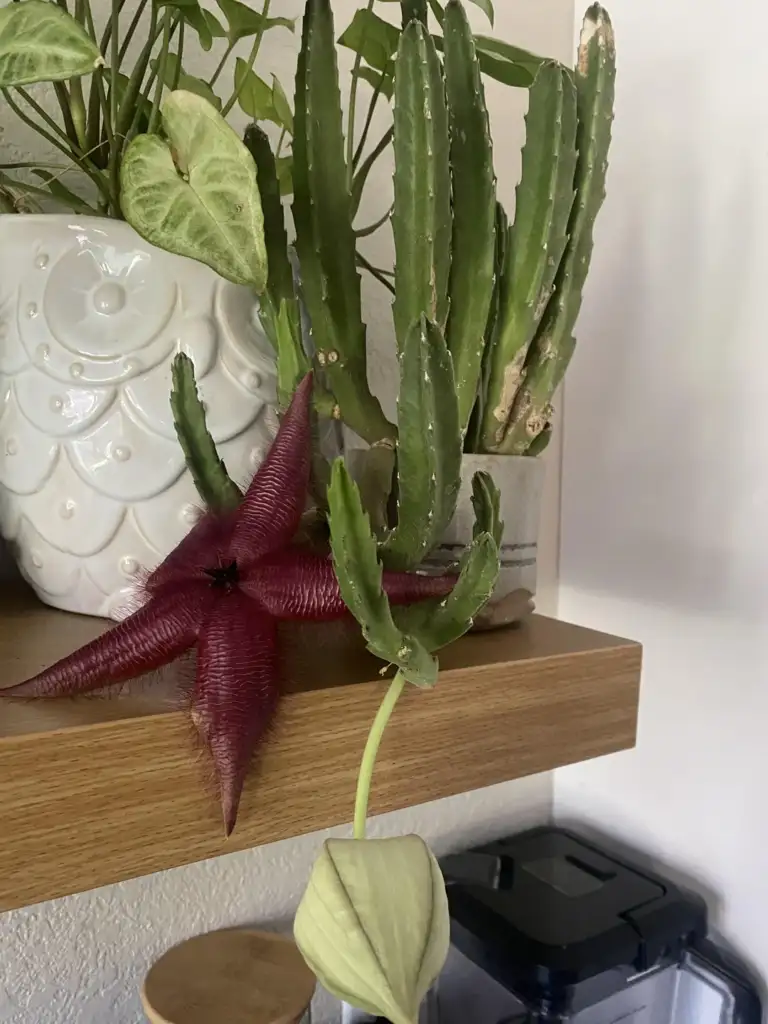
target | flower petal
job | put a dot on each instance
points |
(237, 691)
(273, 505)
(155, 635)
(297, 584)
(203, 548)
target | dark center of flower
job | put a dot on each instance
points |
(224, 575)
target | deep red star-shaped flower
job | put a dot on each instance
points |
(222, 591)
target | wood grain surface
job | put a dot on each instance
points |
(94, 791)
(235, 976)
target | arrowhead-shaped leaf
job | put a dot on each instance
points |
(195, 192)
(40, 42)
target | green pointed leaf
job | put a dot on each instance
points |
(174, 74)
(281, 105)
(196, 193)
(285, 174)
(486, 7)
(254, 95)
(243, 21)
(383, 81)
(40, 42)
(428, 447)
(359, 572)
(209, 473)
(373, 38)
(205, 24)
(373, 924)
(512, 54)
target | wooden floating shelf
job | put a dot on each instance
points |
(98, 790)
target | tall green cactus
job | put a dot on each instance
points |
(535, 243)
(279, 305)
(218, 492)
(325, 239)
(428, 447)
(404, 637)
(421, 218)
(474, 207)
(554, 343)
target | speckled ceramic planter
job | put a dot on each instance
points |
(520, 481)
(93, 486)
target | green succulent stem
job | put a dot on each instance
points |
(368, 763)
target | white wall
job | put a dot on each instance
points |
(80, 960)
(665, 485)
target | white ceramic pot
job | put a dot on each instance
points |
(93, 486)
(520, 481)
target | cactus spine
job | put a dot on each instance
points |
(325, 240)
(536, 242)
(474, 208)
(554, 343)
(421, 219)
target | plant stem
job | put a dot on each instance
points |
(67, 148)
(220, 65)
(131, 30)
(251, 59)
(371, 751)
(280, 142)
(365, 232)
(108, 30)
(179, 56)
(162, 62)
(353, 104)
(128, 108)
(380, 275)
(114, 65)
(369, 119)
(62, 97)
(358, 183)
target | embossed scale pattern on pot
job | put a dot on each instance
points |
(94, 487)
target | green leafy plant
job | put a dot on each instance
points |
(104, 100)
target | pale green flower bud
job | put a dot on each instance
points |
(373, 924)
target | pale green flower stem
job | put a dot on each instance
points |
(371, 751)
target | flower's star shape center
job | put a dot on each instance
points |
(224, 575)
(221, 591)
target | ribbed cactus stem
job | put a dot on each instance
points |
(325, 239)
(278, 307)
(474, 208)
(536, 242)
(428, 449)
(218, 492)
(421, 218)
(554, 344)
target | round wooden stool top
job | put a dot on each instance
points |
(235, 976)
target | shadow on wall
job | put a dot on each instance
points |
(674, 873)
(659, 428)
